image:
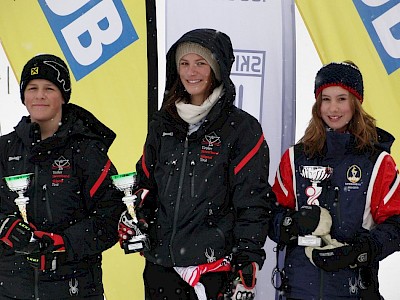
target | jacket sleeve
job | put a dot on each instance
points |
(96, 231)
(145, 173)
(384, 209)
(251, 194)
(284, 190)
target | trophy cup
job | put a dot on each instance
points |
(316, 174)
(19, 184)
(125, 183)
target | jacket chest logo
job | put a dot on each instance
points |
(354, 176)
(17, 158)
(60, 171)
(210, 145)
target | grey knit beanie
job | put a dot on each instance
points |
(188, 47)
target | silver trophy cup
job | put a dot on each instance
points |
(315, 174)
(19, 184)
(126, 183)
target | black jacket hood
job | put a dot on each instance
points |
(220, 46)
(385, 140)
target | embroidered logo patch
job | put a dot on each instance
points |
(210, 147)
(60, 171)
(354, 176)
(35, 71)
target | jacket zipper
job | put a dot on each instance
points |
(321, 289)
(178, 199)
(337, 203)
(35, 204)
(46, 199)
(191, 174)
(170, 173)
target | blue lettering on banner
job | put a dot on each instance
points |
(382, 20)
(89, 32)
(249, 63)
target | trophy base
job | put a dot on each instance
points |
(309, 241)
(137, 243)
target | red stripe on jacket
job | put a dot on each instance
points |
(101, 178)
(249, 155)
(144, 167)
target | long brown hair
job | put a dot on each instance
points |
(362, 126)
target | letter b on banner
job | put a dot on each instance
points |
(381, 18)
(89, 32)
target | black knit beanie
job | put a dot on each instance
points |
(49, 67)
(341, 74)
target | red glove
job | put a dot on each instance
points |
(126, 227)
(51, 242)
(15, 233)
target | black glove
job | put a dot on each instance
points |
(358, 254)
(309, 219)
(49, 251)
(15, 233)
(242, 284)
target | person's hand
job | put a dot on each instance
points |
(49, 249)
(15, 233)
(242, 285)
(309, 219)
(134, 227)
(127, 227)
(332, 258)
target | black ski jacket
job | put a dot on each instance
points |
(70, 194)
(209, 191)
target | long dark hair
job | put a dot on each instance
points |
(179, 93)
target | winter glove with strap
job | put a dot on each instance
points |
(336, 256)
(50, 251)
(243, 282)
(15, 233)
(309, 219)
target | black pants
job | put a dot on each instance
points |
(162, 283)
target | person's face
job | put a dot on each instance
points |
(336, 109)
(43, 100)
(195, 74)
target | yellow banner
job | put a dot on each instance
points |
(104, 43)
(366, 32)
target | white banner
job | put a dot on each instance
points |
(263, 38)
